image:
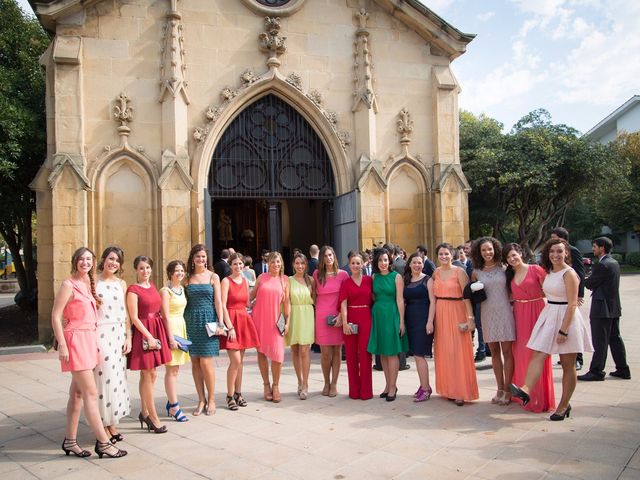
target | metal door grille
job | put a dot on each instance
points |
(270, 151)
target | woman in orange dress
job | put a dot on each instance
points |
(451, 321)
(74, 318)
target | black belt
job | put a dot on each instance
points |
(449, 298)
(557, 303)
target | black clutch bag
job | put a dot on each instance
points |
(477, 296)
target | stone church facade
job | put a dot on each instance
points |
(247, 123)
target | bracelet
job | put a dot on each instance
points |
(469, 317)
(230, 329)
(564, 334)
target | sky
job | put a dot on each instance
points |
(578, 59)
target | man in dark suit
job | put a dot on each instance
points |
(221, 267)
(314, 251)
(578, 267)
(399, 263)
(261, 265)
(605, 312)
(429, 266)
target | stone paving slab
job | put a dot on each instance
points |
(334, 438)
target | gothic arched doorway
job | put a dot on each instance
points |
(270, 182)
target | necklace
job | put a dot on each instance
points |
(179, 292)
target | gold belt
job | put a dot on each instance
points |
(527, 301)
(358, 306)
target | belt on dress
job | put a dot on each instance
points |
(449, 298)
(557, 303)
(527, 301)
(358, 306)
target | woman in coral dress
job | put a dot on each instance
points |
(271, 297)
(451, 321)
(174, 301)
(242, 332)
(301, 328)
(356, 297)
(328, 279)
(73, 318)
(525, 284)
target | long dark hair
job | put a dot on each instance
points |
(107, 251)
(307, 279)
(191, 268)
(377, 253)
(91, 274)
(407, 270)
(546, 263)
(322, 268)
(510, 272)
(476, 255)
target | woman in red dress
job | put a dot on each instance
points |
(242, 332)
(525, 284)
(355, 306)
(150, 345)
(74, 318)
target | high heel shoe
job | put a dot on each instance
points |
(151, 426)
(103, 449)
(559, 417)
(519, 393)
(210, 409)
(198, 410)
(276, 397)
(141, 419)
(116, 437)
(506, 399)
(179, 416)
(391, 398)
(240, 401)
(268, 394)
(231, 403)
(423, 395)
(69, 443)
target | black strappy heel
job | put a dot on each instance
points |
(102, 448)
(69, 443)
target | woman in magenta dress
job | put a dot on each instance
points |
(328, 278)
(271, 296)
(74, 318)
(242, 332)
(149, 345)
(355, 308)
(525, 284)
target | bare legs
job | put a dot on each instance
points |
(234, 372)
(390, 367)
(271, 391)
(147, 405)
(204, 375)
(502, 363)
(423, 371)
(300, 354)
(568, 362)
(330, 360)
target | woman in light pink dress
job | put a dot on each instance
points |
(74, 318)
(271, 296)
(525, 284)
(560, 327)
(328, 279)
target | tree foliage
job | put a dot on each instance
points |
(22, 131)
(524, 181)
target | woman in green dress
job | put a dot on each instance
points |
(301, 329)
(388, 337)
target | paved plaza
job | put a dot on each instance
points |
(334, 438)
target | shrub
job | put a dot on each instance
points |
(617, 257)
(633, 258)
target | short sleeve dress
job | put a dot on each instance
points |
(301, 322)
(545, 331)
(385, 336)
(198, 312)
(327, 304)
(177, 304)
(265, 314)
(496, 314)
(149, 303)
(79, 322)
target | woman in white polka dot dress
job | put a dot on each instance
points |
(114, 342)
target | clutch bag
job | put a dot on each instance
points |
(471, 292)
(145, 344)
(211, 328)
(183, 343)
(280, 324)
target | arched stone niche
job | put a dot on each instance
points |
(406, 207)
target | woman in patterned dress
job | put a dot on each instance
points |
(496, 313)
(301, 329)
(174, 302)
(204, 305)
(114, 343)
(241, 330)
(73, 318)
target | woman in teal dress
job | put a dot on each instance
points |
(301, 328)
(388, 337)
(204, 305)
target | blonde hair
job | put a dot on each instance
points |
(272, 257)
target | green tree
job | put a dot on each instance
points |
(526, 180)
(22, 132)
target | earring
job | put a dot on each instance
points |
(206, 265)
(193, 265)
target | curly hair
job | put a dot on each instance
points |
(476, 255)
(545, 261)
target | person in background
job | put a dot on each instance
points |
(399, 263)
(73, 318)
(261, 266)
(222, 267)
(174, 302)
(248, 272)
(482, 352)
(466, 262)
(366, 264)
(314, 251)
(429, 266)
(114, 342)
(578, 267)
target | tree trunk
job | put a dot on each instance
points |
(11, 239)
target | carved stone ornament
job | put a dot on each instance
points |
(316, 97)
(363, 91)
(172, 66)
(228, 93)
(295, 80)
(123, 113)
(248, 77)
(405, 126)
(272, 42)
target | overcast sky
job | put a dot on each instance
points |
(579, 59)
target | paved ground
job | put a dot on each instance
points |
(335, 438)
(6, 299)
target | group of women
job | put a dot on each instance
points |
(102, 327)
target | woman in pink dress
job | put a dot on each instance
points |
(328, 279)
(150, 343)
(74, 318)
(560, 327)
(525, 284)
(356, 297)
(271, 296)
(241, 330)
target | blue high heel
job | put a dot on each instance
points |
(179, 416)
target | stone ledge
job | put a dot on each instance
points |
(23, 349)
